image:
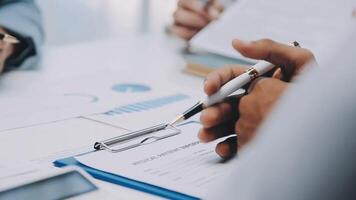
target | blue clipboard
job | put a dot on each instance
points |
(123, 181)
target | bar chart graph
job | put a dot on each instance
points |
(147, 105)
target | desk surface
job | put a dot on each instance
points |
(127, 41)
(146, 54)
(157, 55)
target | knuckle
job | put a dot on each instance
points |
(243, 104)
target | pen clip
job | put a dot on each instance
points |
(109, 145)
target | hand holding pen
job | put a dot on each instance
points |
(243, 115)
(193, 15)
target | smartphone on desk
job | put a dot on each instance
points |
(66, 183)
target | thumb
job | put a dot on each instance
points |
(289, 58)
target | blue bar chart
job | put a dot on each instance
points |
(147, 105)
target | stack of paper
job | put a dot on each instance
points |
(316, 25)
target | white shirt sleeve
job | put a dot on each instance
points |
(307, 148)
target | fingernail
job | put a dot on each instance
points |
(241, 42)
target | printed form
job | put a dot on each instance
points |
(179, 163)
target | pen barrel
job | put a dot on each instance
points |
(230, 87)
(263, 67)
(226, 90)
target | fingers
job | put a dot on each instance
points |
(190, 19)
(192, 5)
(210, 11)
(227, 148)
(191, 16)
(183, 32)
(218, 120)
(217, 5)
(222, 130)
(274, 52)
(219, 77)
(214, 9)
(218, 114)
(287, 57)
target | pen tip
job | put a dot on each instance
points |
(11, 39)
(180, 118)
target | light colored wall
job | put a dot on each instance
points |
(72, 21)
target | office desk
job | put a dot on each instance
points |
(127, 37)
(145, 54)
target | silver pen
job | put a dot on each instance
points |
(8, 38)
(228, 88)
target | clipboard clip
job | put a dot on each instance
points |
(126, 141)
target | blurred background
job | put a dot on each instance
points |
(68, 21)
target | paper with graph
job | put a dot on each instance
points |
(102, 93)
(179, 163)
(147, 113)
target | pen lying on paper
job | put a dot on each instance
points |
(8, 38)
(230, 87)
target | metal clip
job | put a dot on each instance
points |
(125, 139)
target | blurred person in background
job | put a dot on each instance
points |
(193, 15)
(21, 19)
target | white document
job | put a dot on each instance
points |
(46, 143)
(10, 169)
(78, 97)
(316, 25)
(179, 163)
(29, 111)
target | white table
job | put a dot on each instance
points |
(140, 54)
